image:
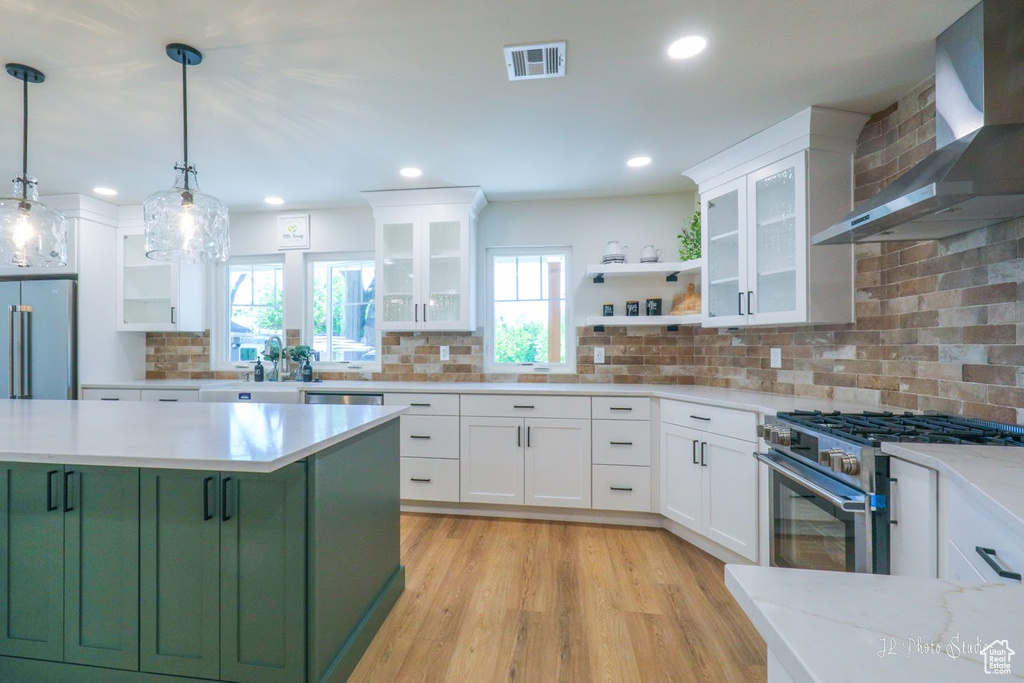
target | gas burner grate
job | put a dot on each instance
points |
(872, 428)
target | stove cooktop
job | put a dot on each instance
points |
(870, 429)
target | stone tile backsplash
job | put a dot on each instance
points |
(940, 324)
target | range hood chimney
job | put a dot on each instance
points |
(975, 178)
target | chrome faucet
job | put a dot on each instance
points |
(270, 341)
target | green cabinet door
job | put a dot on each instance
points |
(32, 566)
(263, 576)
(101, 567)
(179, 560)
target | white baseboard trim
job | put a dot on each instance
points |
(708, 546)
(645, 519)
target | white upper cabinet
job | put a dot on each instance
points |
(761, 200)
(426, 257)
(157, 296)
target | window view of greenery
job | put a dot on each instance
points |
(529, 308)
(344, 325)
(256, 305)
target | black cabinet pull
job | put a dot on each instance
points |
(621, 443)
(207, 515)
(168, 400)
(617, 408)
(621, 488)
(698, 417)
(416, 313)
(419, 436)
(424, 312)
(225, 502)
(104, 398)
(420, 405)
(50, 506)
(750, 295)
(519, 436)
(695, 453)
(524, 407)
(702, 461)
(419, 480)
(68, 507)
(989, 555)
(528, 431)
(739, 305)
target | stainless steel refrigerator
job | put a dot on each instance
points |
(37, 326)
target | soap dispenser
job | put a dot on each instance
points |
(258, 371)
(307, 372)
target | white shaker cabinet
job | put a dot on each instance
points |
(426, 257)
(492, 465)
(557, 462)
(157, 296)
(682, 497)
(914, 520)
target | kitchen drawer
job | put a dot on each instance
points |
(425, 436)
(959, 568)
(171, 395)
(494, 405)
(430, 479)
(738, 424)
(111, 395)
(621, 408)
(621, 442)
(969, 526)
(619, 487)
(425, 404)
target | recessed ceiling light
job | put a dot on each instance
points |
(411, 172)
(637, 162)
(105, 191)
(687, 47)
(275, 201)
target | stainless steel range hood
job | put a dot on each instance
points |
(975, 177)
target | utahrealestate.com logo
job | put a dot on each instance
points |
(997, 656)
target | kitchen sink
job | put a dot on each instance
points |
(255, 392)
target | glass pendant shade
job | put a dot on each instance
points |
(31, 233)
(184, 224)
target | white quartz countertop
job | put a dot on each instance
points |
(834, 627)
(239, 437)
(753, 401)
(993, 476)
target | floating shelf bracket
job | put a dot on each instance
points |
(599, 279)
(673, 328)
(598, 328)
(672, 277)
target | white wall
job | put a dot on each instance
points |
(584, 224)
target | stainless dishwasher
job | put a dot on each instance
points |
(345, 399)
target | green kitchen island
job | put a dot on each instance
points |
(148, 542)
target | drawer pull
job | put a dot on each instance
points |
(698, 417)
(621, 488)
(524, 407)
(617, 408)
(168, 400)
(420, 405)
(107, 398)
(989, 555)
(419, 480)
(621, 443)
(419, 436)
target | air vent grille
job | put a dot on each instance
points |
(545, 60)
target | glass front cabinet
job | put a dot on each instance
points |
(156, 296)
(425, 251)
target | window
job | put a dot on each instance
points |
(254, 307)
(528, 309)
(343, 326)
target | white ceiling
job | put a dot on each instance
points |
(315, 100)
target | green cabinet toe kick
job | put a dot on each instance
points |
(149, 575)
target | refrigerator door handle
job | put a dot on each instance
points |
(26, 352)
(10, 354)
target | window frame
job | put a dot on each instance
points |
(307, 310)
(567, 367)
(220, 326)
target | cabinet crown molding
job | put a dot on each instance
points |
(472, 195)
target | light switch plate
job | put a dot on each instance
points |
(599, 354)
(776, 358)
(445, 353)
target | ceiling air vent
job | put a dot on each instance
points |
(546, 60)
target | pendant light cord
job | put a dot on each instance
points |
(184, 111)
(24, 143)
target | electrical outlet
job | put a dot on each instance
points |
(776, 358)
(445, 353)
(599, 354)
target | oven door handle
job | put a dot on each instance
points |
(845, 503)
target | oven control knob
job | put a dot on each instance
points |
(845, 463)
(825, 457)
(781, 437)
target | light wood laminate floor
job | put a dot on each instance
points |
(512, 600)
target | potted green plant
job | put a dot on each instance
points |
(689, 240)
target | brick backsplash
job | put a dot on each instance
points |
(940, 324)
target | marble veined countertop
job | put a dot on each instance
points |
(835, 627)
(238, 437)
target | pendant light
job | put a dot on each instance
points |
(183, 224)
(31, 233)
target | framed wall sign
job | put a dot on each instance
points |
(293, 231)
